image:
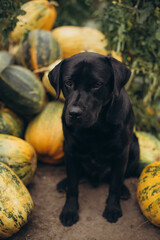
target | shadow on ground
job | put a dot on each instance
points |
(45, 224)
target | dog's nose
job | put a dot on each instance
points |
(75, 113)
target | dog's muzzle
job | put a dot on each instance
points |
(75, 114)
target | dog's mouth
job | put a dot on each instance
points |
(82, 121)
(72, 120)
(75, 121)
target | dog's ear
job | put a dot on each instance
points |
(55, 78)
(121, 74)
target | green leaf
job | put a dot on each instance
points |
(9, 11)
(144, 14)
(157, 35)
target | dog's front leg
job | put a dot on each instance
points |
(69, 214)
(113, 210)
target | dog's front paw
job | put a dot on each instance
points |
(112, 214)
(69, 217)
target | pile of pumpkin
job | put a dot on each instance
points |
(30, 118)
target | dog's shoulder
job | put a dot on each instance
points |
(120, 110)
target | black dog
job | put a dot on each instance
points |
(98, 128)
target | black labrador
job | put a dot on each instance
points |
(98, 125)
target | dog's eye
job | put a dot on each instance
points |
(68, 83)
(98, 84)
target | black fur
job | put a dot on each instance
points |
(98, 125)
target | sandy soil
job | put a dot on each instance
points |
(45, 224)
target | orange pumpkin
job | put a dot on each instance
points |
(45, 133)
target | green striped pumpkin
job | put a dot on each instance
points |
(19, 155)
(40, 49)
(148, 192)
(16, 204)
(21, 90)
(6, 59)
(10, 123)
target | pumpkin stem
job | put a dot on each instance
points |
(54, 3)
(41, 70)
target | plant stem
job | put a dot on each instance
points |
(130, 80)
(148, 96)
(137, 4)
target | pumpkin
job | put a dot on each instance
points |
(39, 49)
(45, 133)
(10, 123)
(149, 149)
(16, 203)
(74, 40)
(115, 55)
(45, 80)
(19, 155)
(6, 59)
(148, 192)
(21, 90)
(39, 14)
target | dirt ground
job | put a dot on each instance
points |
(45, 224)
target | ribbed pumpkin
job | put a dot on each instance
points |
(10, 123)
(6, 59)
(148, 192)
(46, 81)
(45, 133)
(149, 149)
(40, 14)
(19, 155)
(74, 40)
(40, 49)
(21, 90)
(16, 204)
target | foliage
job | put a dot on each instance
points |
(74, 12)
(9, 10)
(133, 28)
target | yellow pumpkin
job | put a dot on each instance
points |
(19, 155)
(16, 204)
(148, 192)
(46, 81)
(40, 14)
(45, 133)
(74, 40)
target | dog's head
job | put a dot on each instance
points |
(88, 81)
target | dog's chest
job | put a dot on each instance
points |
(94, 150)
